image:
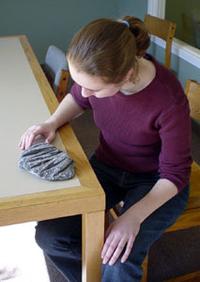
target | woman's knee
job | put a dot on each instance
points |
(130, 270)
(56, 233)
(43, 235)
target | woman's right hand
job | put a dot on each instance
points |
(46, 129)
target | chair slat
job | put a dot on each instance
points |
(163, 29)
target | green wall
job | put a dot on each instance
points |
(47, 22)
(182, 69)
(136, 8)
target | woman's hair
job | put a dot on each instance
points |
(109, 48)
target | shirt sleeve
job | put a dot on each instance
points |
(175, 132)
(81, 101)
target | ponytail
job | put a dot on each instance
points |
(142, 38)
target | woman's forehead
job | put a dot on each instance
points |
(85, 80)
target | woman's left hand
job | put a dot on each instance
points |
(120, 235)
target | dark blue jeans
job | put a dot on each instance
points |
(60, 238)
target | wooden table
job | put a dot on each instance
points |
(26, 99)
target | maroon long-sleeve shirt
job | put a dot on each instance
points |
(146, 131)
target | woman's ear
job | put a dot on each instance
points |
(129, 76)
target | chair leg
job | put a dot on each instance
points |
(62, 87)
(113, 214)
(115, 211)
(145, 270)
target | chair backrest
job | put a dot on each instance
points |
(192, 90)
(56, 70)
(163, 29)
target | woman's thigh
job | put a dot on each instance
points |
(110, 179)
(156, 224)
(56, 236)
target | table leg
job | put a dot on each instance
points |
(92, 242)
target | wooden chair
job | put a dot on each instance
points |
(163, 29)
(56, 71)
(63, 86)
(192, 90)
(191, 216)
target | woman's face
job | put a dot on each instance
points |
(92, 85)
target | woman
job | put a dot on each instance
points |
(144, 154)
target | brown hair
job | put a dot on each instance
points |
(108, 48)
